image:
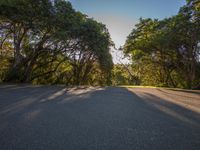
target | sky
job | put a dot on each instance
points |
(120, 16)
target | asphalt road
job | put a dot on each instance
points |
(109, 118)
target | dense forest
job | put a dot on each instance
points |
(48, 42)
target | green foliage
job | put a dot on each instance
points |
(166, 52)
(52, 43)
(123, 75)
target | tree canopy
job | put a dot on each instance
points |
(166, 52)
(48, 41)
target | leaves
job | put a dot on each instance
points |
(169, 47)
(46, 37)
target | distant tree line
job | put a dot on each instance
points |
(167, 52)
(48, 42)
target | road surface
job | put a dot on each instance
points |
(100, 118)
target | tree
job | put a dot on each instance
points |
(166, 52)
(48, 37)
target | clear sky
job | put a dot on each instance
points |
(120, 16)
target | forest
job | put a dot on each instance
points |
(49, 42)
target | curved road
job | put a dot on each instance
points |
(109, 118)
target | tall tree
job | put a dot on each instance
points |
(46, 36)
(166, 52)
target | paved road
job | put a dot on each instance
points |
(58, 118)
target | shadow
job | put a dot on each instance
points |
(186, 91)
(19, 97)
(181, 94)
(14, 98)
(59, 117)
(173, 110)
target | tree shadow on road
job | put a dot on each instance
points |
(16, 98)
(96, 115)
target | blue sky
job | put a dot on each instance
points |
(120, 16)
